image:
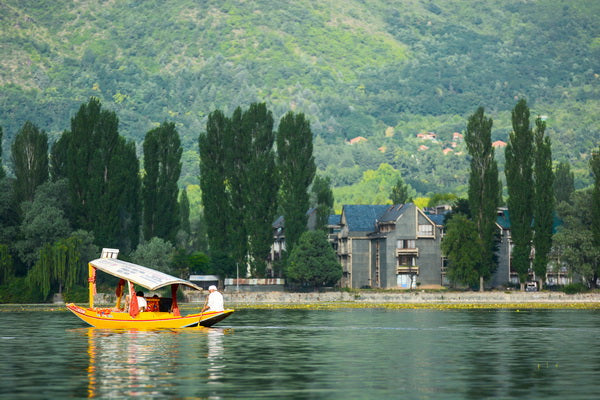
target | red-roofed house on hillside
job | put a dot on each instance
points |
(423, 147)
(427, 136)
(358, 139)
(447, 150)
(457, 137)
(498, 143)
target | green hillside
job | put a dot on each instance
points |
(384, 70)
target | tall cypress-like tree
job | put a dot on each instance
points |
(2, 173)
(184, 212)
(213, 146)
(30, 161)
(103, 173)
(322, 200)
(262, 187)
(564, 182)
(519, 180)
(296, 167)
(483, 189)
(595, 209)
(544, 201)
(162, 163)
(238, 161)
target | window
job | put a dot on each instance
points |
(406, 244)
(406, 261)
(426, 230)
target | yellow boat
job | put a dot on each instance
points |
(160, 313)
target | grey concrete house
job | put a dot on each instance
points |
(389, 246)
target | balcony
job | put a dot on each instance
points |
(407, 269)
(407, 251)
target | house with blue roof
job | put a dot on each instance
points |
(388, 246)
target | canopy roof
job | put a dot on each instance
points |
(143, 276)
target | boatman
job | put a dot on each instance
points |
(214, 302)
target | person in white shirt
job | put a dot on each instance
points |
(214, 301)
(142, 304)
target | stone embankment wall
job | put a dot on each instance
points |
(414, 297)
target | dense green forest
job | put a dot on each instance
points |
(383, 70)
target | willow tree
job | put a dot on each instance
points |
(543, 213)
(59, 267)
(519, 180)
(483, 189)
(162, 164)
(30, 161)
(296, 168)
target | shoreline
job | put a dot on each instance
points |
(366, 299)
(414, 299)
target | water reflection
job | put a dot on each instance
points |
(132, 363)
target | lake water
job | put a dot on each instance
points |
(309, 354)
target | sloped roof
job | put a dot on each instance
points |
(334, 219)
(392, 213)
(437, 219)
(504, 220)
(361, 218)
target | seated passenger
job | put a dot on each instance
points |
(142, 304)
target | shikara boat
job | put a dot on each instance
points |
(160, 313)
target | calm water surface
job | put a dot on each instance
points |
(297, 354)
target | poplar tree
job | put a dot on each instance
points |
(564, 182)
(103, 175)
(323, 200)
(595, 203)
(214, 173)
(261, 185)
(296, 167)
(543, 212)
(162, 164)
(519, 180)
(237, 167)
(184, 212)
(2, 173)
(483, 189)
(30, 161)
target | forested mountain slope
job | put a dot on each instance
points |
(382, 69)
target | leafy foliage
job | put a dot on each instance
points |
(462, 246)
(313, 261)
(543, 212)
(162, 164)
(353, 68)
(574, 242)
(296, 170)
(519, 180)
(30, 161)
(156, 253)
(564, 182)
(483, 188)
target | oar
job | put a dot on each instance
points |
(201, 313)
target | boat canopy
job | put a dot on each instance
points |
(143, 276)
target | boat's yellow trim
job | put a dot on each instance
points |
(107, 318)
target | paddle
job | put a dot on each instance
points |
(202, 312)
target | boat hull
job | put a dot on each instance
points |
(109, 319)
